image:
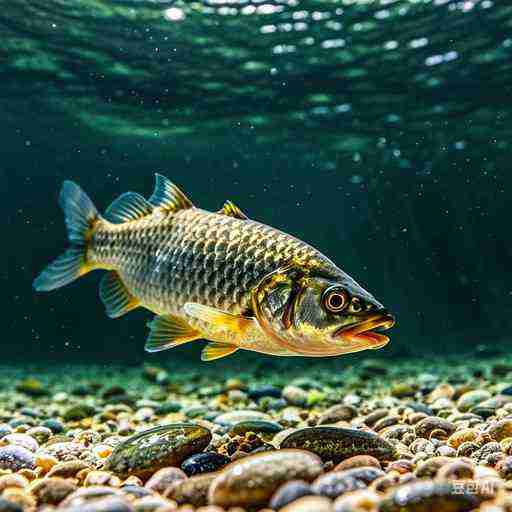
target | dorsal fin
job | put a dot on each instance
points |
(232, 210)
(128, 206)
(168, 196)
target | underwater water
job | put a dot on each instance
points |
(379, 132)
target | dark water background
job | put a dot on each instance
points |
(379, 132)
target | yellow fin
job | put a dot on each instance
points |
(168, 196)
(168, 331)
(232, 210)
(128, 206)
(214, 351)
(235, 323)
(115, 296)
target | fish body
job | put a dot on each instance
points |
(211, 275)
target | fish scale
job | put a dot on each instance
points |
(194, 256)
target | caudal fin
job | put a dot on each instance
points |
(80, 214)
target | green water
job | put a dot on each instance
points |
(377, 131)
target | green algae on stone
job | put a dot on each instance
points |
(146, 452)
(337, 444)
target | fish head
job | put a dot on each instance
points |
(319, 313)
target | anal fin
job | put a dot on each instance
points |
(115, 296)
(168, 331)
(214, 351)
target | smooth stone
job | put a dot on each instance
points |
(229, 419)
(426, 495)
(56, 426)
(338, 412)
(471, 399)
(309, 504)
(110, 504)
(9, 506)
(336, 483)
(252, 481)
(337, 444)
(425, 426)
(257, 426)
(164, 478)
(23, 440)
(78, 412)
(68, 469)
(146, 452)
(193, 491)
(84, 495)
(16, 457)
(289, 492)
(295, 395)
(500, 430)
(264, 391)
(52, 490)
(204, 462)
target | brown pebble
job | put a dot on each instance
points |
(68, 469)
(26, 501)
(456, 470)
(12, 480)
(193, 490)
(95, 478)
(430, 467)
(401, 466)
(52, 490)
(252, 481)
(357, 461)
(45, 461)
(425, 426)
(504, 468)
(309, 504)
(363, 500)
(339, 412)
(500, 430)
(462, 436)
(164, 478)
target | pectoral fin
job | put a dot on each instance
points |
(214, 351)
(168, 331)
(234, 323)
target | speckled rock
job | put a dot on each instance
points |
(426, 426)
(500, 430)
(153, 449)
(257, 426)
(253, 480)
(337, 444)
(16, 457)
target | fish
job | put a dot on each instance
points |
(216, 276)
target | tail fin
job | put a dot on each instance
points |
(80, 214)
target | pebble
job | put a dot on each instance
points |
(23, 440)
(339, 412)
(16, 457)
(164, 478)
(295, 395)
(52, 490)
(229, 419)
(471, 399)
(169, 445)
(336, 483)
(9, 506)
(193, 490)
(309, 504)
(429, 496)
(258, 426)
(289, 492)
(337, 444)
(253, 480)
(500, 430)
(204, 463)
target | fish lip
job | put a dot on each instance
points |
(365, 331)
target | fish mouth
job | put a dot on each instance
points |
(365, 332)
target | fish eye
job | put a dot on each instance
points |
(335, 300)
